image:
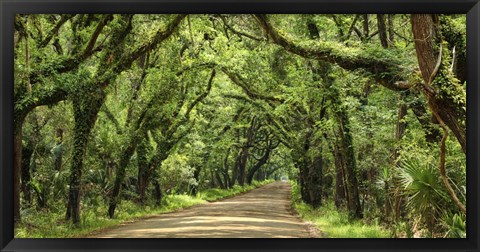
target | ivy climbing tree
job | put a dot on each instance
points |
(358, 111)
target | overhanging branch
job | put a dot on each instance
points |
(386, 72)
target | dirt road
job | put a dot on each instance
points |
(260, 213)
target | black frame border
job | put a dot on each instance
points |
(8, 8)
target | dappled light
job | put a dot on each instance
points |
(240, 125)
(261, 213)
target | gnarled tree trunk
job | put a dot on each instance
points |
(85, 111)
(443, 91)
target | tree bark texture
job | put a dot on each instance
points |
(85, 114)
(443, 91)
(382, 30)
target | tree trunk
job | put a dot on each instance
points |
(160, 155)
(196, 176)
(158, 193)
(243, 159)
(17, 169)
(391, 33)
(212, 179)
(242, 165)
(315, 182)
(302, 181)
(346, 150)
(26, 173)
(120, 177)
(234, 177)
(263, 160)
(220, 181)
(443, 91)
(365, 26)
(260, 174)
(85, 114)
(245, 152)
(382, 30)
(427, 49)
(142, 179)
(305, 167)
(79, 146)
(226, 177)
(340, 189)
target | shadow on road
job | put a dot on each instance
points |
(261, 213)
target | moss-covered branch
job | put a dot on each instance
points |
(387, 71)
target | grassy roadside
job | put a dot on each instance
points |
(334, 223)
(53, 225)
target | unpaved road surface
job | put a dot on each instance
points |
(261, 213)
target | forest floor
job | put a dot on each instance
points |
(264, 212)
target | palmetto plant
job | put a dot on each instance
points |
(425, 193)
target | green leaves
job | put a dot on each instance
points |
(456, 225)
(147, 72)
(421, 184)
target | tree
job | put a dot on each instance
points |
(351, 108)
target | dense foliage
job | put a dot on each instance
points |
(366, 113)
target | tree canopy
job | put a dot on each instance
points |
(364, 110)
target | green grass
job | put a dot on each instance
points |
(52, 224)
(216, 194)
(334, 223)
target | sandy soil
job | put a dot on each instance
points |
(261, 213)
